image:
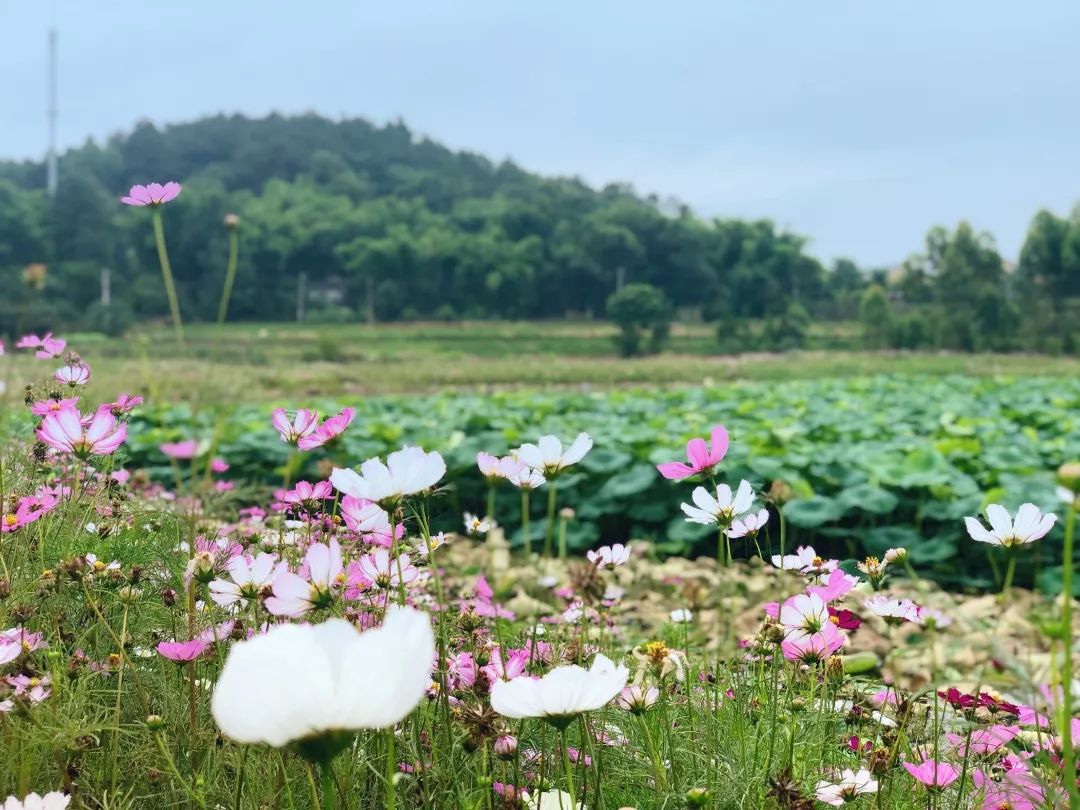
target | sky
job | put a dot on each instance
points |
(857, 124)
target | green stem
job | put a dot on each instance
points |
(1068, 755)
(549, 532)
(391, 768)
(562, 540)
(1010, 570)
(230, 277)
(525, 522)
(329, 796)
(571, 789)
(166, 273)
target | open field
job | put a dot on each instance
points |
(258, 363)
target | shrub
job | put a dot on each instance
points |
(643, 313)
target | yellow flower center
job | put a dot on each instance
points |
(11, 520)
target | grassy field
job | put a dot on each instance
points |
(261, 362)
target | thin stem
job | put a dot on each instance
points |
(525, 522)
(329, 796)
(391, 769)
(230, 277)
(166, 274)
(1067, 753)
(1010, 570)
(569, 771)
(549, 531)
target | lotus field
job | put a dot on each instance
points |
(790, 595)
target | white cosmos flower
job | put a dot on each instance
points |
(1030, 525)
(247, 579)
(553, 799)
(721, 509)
(304, 682)
(50, 801)
(562, 694)
(547, 454)
(609, 556)
(748, 525)
(804, 557)
(847, 787)
(526, 478)
(408, 471)
(681, 616)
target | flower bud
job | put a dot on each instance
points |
(780, 492)
(155, 722)
(698, 797)
(232, 221)
(506, 746)
(834, 669)
(894, 555)
(1068, 475)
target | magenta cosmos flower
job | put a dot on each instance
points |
(184, 450)
(702, 456)
(64, 431)
(182, 651)
(47, 406)
(152, 194)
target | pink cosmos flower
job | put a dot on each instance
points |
(637, 698)
(837, 585)
(219, 465)
(748, 525)
(806, 613)
(291, 432)
(702, 457)
(1017, 789)
(369, 520)
(125, 403)
(329, 430)
(47, 406)
(933, 774)
(505, 665)
(28, 509)
(73, 375)
(380, 569)
(33, 688)
(462, 670)
(295, 596)
(609, 556)
(15, 641)
(308, 495)
(181, 451)
(984, 740)
(152, 194)
(64, 431)
(49, 348)
(813, 648)
(182, 651)
(495, 469)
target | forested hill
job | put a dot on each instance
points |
(368, 216)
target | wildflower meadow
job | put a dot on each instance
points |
(826, 594)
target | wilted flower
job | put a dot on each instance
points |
(562, 694)
(702, 457)
(314, 686)
(1030, 525)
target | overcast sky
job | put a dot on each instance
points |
(859, 124)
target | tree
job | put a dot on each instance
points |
(640, 311)
(876, 317)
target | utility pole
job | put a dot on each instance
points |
(51, 175)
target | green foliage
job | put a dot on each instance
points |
(865, 456)
(642, 312)
(876, 316)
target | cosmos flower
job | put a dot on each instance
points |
(637, 698)
(182, 651)
(703, 458)
(848, 786)
(248, 579)
(64, 431)
(748, 525)
(50, 801)
(295, 596)
(803, 558)
(837, 584)
(527, 478)
(304, 423)
(723, 508)
(73, 375)
(548, 456)
(380, 569)
(328, 431)
(314, 686)
(181, 451)
(1030, 525)
(408, 471)
(805, 612)
(609, 556)
(125, 403)
(47, 406)
(933, 774)
(496, 469)
(562, 694)
(813, 648)
(369, 520)
(893, 610)
(152, 194)
(681, 616)
(475, 525)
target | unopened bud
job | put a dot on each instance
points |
(1068, 475)
(698, 797)
(155, 722)
(231, 221)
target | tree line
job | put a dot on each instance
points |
(346, 220)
